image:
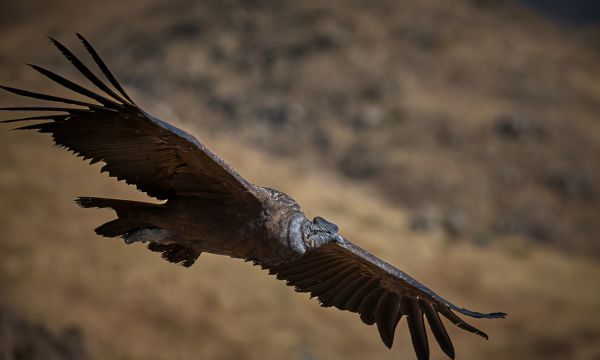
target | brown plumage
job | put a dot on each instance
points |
(208, 207)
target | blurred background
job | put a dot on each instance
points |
(457, 140)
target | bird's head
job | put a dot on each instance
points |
(322, 232)
(325, 225)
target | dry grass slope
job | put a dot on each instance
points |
(132, 304)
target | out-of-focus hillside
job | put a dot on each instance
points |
(407, 123)
(477, 117)
(131, 304)
(21, 339)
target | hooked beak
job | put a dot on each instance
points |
(339, 239)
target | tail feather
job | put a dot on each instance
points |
(122, 226)
(115, 228)
(97, 202)
(118, 205)
(125, 227)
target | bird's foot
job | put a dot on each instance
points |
(146, 235)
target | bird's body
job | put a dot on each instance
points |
(268, 237)
(208, 207)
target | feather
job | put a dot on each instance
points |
(386, 316)
(85, 70)
(313, 269)
(41, 117)
(40, 96)
(343, 296)
(330, 281)
(366, 309)
(459, 322)
(40, 108)
(103, 67)
(74, 87)
(285, 271)
(176, 253)
(320, 276)
(417, 329)
(439, 332)
(359, 295)
(328, 296)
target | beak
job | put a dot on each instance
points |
(339, 239)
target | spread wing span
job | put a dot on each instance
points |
(159, 159)
(343, 275)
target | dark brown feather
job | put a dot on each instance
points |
(356, 299)
(343, 296)
(332, 281)
(366, 309)
(158, 158)
(439, 332)
(103, 67)
(417, 329)
(459, 322)
(86, 71)
(387, 317)
(176, 253)
(322, 276)
(349, 278)
(328, 296)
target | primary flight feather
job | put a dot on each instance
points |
(209, 207)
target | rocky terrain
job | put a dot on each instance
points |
(21, 339)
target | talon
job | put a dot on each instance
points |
(146, 235)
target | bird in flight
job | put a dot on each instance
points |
(208, 207)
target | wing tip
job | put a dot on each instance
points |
(103, 67)
(80, 37)
(55, 42)
(497, 315)
(386, 336)
(6, 88)
(478, 315)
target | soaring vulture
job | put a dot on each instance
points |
(209, 207)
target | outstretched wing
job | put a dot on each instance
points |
(343, 275)
(156, 157)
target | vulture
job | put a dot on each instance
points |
(208, 207)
